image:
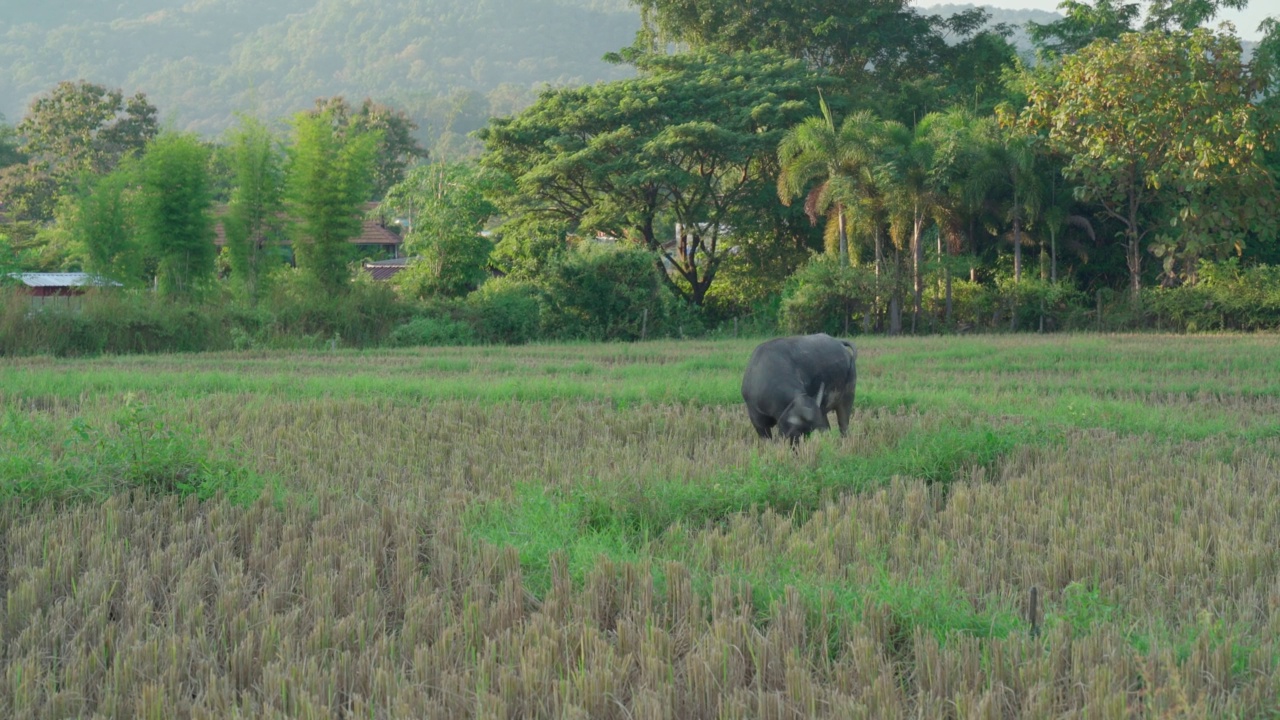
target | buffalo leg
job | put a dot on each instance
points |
(763, 424)
(844, 409)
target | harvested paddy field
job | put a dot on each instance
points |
(594, 531)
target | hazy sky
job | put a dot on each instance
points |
(1246, 21)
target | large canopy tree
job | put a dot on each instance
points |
(691, 141)
(1161, 133)
(909, 62)
(77, 128)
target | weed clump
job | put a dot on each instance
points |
(136, 449)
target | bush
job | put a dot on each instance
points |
(1035, 304)
(432, 331)
(826, 297)
(362, 317)
(605, 292)
(1227, 297)
(507, 312)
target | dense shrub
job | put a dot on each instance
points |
(109, 322)
(1227, 297)
(1035, 304)
(605, 292)
(826, 297)
(507, 312)
(362, 317)
(432, 331)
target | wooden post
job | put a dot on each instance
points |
(644, 324)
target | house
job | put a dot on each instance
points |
(375, 236)
(59, 284)
(385, 269)
(62, 289)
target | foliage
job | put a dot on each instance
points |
(826, 296)
(692, 141)
(9, 153)
(397, 146)
(201, 60)
(174, 224)
(77, 128)
(1227, 297)
(1083, 23)
(1160, 133)
(445, 207)
(508, 312)
(431, 331)
(604, 292)
(527, 247)
(329, 178)
(253, 219)
(104, 217)
(303, 311)
(135, 449)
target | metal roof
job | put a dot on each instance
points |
(75, 279)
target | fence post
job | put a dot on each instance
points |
(644, 324)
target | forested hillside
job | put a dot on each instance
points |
(447, 63)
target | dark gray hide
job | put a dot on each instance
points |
(793, 382)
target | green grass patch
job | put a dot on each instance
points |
(44, 460)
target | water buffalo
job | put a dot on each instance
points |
(793, 382)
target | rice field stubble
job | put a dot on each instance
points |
(593, 531)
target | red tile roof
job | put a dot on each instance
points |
(373, 230)
(385, 269)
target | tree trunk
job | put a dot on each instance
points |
(1053, 256)
(844, 237)
(895, 298)
(917, 278)
(1017, 249)
(1135, 267)
(950, 305)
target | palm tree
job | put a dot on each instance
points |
(917, 190)
(814, 150)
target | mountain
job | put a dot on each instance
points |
(448, 63)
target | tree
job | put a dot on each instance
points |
(1083, 23)
(9, 154)
(253, 222)
(1109, 19)
(329, 176)
(692, 140)
(174, 221)
(77, 128)
(835, 35)
(103, 219)
(1153, 125)
(397, 147)
(814, 150)
(445, 207)
(913, 63)
(916, 192)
